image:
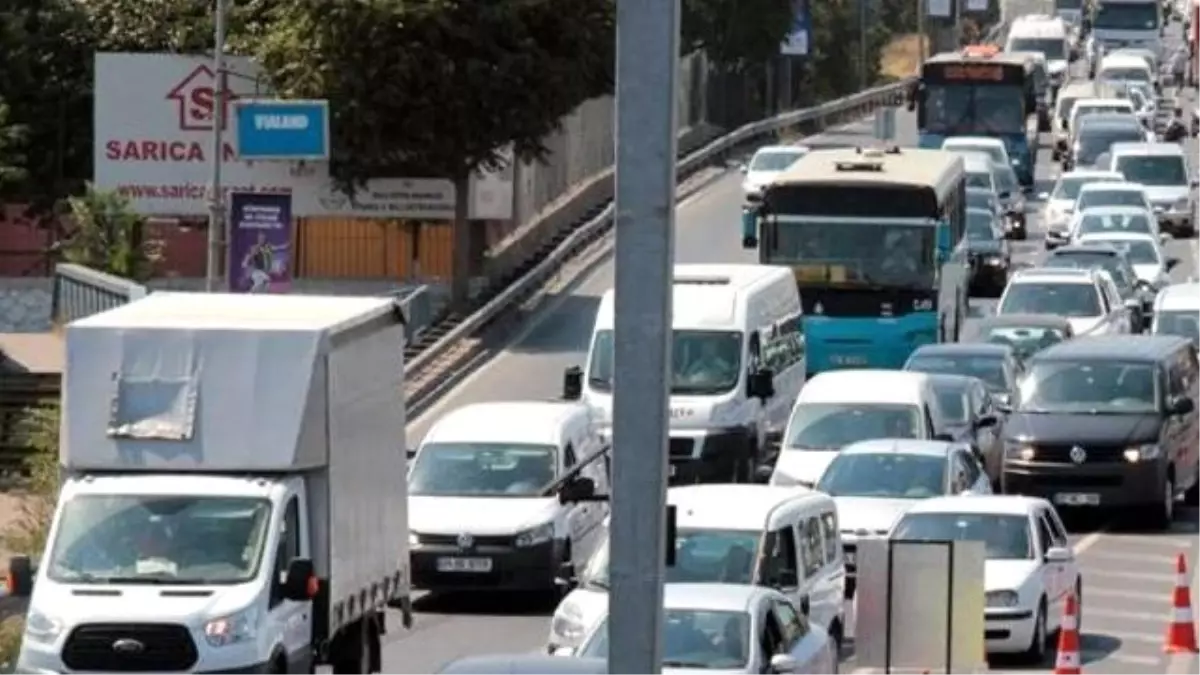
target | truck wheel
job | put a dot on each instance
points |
(358, 650)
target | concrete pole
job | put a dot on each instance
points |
(213, 281)
(921, 31)
(647, 67)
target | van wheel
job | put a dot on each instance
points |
(1161, 514)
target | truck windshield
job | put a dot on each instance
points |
(1127, 16)
(159, 539)
(1004, 537)
(854, 254)
(701, 556)
(704, 362)
(482, 470)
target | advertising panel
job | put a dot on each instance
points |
(260, 242)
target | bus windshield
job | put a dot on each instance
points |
(863, 253)
(1127, 16)
(966, 109)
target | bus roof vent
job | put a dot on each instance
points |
(700, 280)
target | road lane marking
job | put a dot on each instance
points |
(1124, 595)
(1145, 540)
(1117, 656)
(1156, 617)
(1158, 559)
(1168, 579)
(1087, 542)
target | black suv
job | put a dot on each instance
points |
(1107, 422)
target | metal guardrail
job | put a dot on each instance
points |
(81, 291)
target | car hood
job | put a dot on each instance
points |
(801, 466)
(757, 180)
(478, 515)
(1007, 575)
(1057, 428)
(870, 515)
(1166, 194)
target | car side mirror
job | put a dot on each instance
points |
(1183, 406)
(410, 453)
(1171, 263)
(761, 384)
(572, 387)
(985, 421)
(1059, 554)
(805, 605)
(783, 663)
(1132, 303)
(20, 576)
(577, 489)
(300, 583)
(947, 438)
(763, 473)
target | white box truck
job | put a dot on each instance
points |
(234, 495)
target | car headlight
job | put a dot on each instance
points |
(567, 626)
(1002, 598)
(1016, 161)
(993, 261)
(232, 629)
(1141, 453)
(1021, 451)
(535, 535)
(751, 188)
(41, 627)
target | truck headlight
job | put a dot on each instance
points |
(567, 626)
(1140, 453)
(535, 535)
(1002, 598)
(232, 629)
(41, 627)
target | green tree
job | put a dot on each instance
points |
(184, 26)
(732, 32)
(108, 236)
(435, 88)
(12, 156)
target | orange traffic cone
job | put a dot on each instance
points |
(1181, 633)
(1067, 661)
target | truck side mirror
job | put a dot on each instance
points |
(300, 583)
(572, 389)
(577, 489)
(20, 576)
(761, 384)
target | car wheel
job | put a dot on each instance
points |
(1036, 653)
(1193, 494)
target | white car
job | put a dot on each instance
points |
(1150, 263)
(994, 147)
(1113, 194)
(1087, 298)
(1177, 311)
(1162, 169)
(1106, 219)
(733, 629)
(1029, 571)
(1060, 201)
(767, 163)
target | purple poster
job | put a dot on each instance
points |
(260, 242)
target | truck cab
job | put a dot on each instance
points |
(209, 443)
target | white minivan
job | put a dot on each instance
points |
(483, 512)
(783, 538)
(840, 407)
(738, 363)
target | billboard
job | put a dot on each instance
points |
(154, 142)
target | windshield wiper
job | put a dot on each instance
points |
(672, 663)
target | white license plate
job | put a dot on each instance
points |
(672, 470)
(848, 360)
(476, 565)
(1077, 499)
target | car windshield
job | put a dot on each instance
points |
(979, 227)
(1126, 16)
(1092, 198)
(990, 369)
(890, 475)
(691, 639)
(1026, 340)
(1130, 73)
(774, 160)
(1137, 251)
(954, 401)
(1069, 187)
(701, 556)
(1054, 50)
(1085, 109)
(482, 469)
(978, 199)
(1046, 297)
(704, 362)
(1092, 386)
(159, 539)
(979, 179)
(1083, 259)
(1183, 324)
(1091, 144)
(1153, 170)
(1092, 223)
(1004, 537)
(830, 426)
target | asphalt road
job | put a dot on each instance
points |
(1128, 576)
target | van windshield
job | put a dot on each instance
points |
(482, 469)
(1091, 387)
(704, 362)
(830, 426)
(159, 539)
(701, 556)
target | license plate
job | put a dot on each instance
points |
(474, 565)
(1077, 499)
(848, 360)
(672, 470)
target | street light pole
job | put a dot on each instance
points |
(216, 203)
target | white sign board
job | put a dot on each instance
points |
(153, 143)
(977, 5)
(940, 9)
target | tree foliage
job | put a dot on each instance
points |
(736, 32)
(12, 150)
(109, 236)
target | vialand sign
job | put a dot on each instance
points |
(153, 143)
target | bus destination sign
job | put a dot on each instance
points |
(971, 72)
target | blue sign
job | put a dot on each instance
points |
(799, 36)
(276, 129)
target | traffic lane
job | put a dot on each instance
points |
(447, 627)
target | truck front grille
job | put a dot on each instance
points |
(129, 648)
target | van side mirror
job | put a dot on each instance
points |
(300, 583)
(20, 576)
(1059, 554)
(783, 663)
(577, 489)
(572, 388)
(1182, 405)
(985, 421)
(1171, 263)
(763, 473)
(761, 384)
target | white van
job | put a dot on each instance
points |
(840, 407)
(738, 364)
(1119, 67)
(784, 538)
(1047, 35)
(482, 507)
(1125, 23)
(1177, 311)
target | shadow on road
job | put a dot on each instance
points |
(487, 604)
